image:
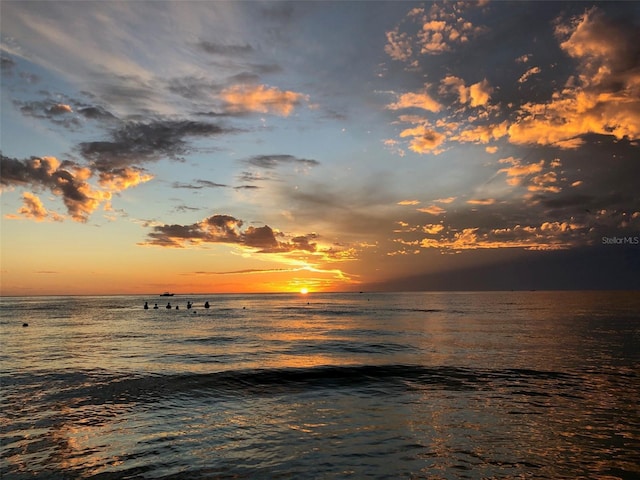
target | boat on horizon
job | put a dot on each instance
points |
(166, 294)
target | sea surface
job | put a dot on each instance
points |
(540, 385)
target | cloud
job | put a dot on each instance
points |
(228, 230)
(440, 29)
(481, 201)
(66, 180)
(432, 228)
(433, 210)
(7, 64)
(56, 112)
(517, 171)
(453, 84)
(94, 112)
(33, 209)
(398, 46)
(123, 178)
(537, 177)
(482, 134)
(546, 236)
(199, 184)
(274, 161)
(261, 98)
(136, 142)
(604, 97)
(475, 95)
(420, 100)
(225, 49)
(529, 73)
(445, 200)
(480, 93)
(423, 139)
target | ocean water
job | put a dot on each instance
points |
(541, 385)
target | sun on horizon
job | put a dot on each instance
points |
(304, 290)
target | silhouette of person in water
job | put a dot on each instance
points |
(146, 306)
(206, 304)
(188, 304)
(155, 307)
(168, 305)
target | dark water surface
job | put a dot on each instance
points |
(390, 386)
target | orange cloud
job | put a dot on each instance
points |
(33, 209)
(480, 93)
(547, 236)
(483, 133)
(451, 83)
(482, 201)
(604, 98)
(416, 100)
(398, 46)
(123, 178)
(424, 139)
(544, 183)
(260, 98)
(59, 108)
(525, 76)
(517, 171)
(432, 228)
(476, 95)
(433, 210)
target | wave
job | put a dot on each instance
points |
(91, 388)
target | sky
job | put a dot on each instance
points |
(215, 147)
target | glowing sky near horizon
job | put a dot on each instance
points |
(280, 146)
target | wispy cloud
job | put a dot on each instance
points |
(273, 161)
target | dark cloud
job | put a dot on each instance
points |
(245, 77)
(55, 112)
(7, 64)
(274, 161)
(250, 177)
(186, 208)
(224, 49)
(198, 185)
(229, 230)
(96, 113)
(262, 238)
(25, 172)
(135, 143)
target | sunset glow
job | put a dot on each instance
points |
(237, 147)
